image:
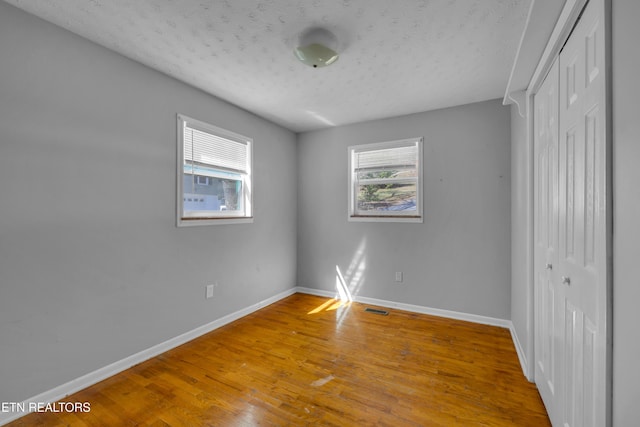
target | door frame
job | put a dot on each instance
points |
(561, 32)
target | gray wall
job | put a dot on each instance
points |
(626, 196)
(459, 258)
(92, 266)
(520, 206)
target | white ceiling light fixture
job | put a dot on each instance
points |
(317, 48)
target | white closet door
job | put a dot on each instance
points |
(548, 354)
(583, 222)
(571, 229)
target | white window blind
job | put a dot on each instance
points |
(385, 159)
(208, 149)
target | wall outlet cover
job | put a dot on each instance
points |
(209, 293)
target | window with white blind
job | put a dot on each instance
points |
(385, 181)
(214, 174)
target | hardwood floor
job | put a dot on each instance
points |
(306, 360)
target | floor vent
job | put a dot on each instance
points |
(376, 311)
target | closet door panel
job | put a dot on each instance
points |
(548, 314)
(582, 221)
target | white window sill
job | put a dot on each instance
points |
(214, 221)
(384, 218)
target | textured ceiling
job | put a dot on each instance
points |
(396, 57)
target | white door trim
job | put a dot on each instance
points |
(568, 18)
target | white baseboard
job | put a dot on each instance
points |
(98, 375)
(317, 292)
(522, 357)
(416, 308)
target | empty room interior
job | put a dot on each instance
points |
(345, 212)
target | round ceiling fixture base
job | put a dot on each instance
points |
(317, 48)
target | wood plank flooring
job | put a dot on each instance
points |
(307, 360)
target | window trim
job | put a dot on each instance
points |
(181, 221)
(352, 216)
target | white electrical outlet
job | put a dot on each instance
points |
(398, 276)
(210, 291)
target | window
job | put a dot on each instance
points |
(214, 174)
(385, 181)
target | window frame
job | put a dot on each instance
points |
(353, 215)
(247, 182)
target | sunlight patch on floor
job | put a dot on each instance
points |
(330, 305)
